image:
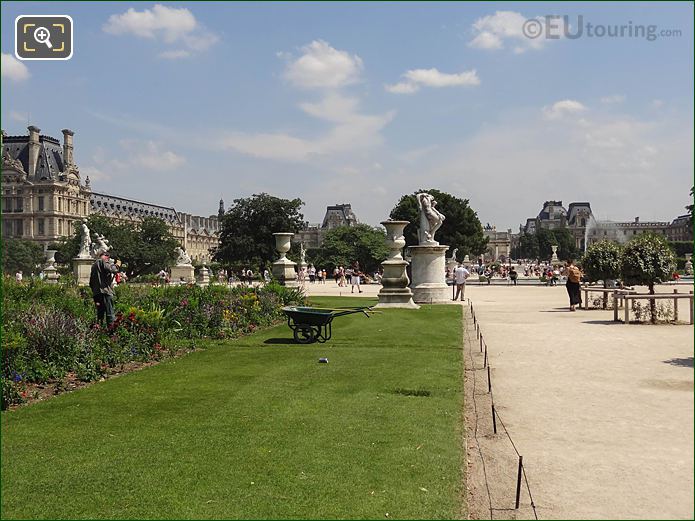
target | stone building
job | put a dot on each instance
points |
(42, 192)
(585, 228)
(43, 196)
(336, 215)
(499, 245)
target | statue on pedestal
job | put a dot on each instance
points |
(183, 258)
(430, 218)
(453, 254)
(85, 244)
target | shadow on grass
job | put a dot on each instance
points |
(279, 341)
(680, 362)
(604, 322)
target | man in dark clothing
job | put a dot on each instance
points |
(101, 284)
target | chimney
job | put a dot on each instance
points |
(636, 219)
(34, 147)
(67, 148)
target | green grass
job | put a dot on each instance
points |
(249, 429)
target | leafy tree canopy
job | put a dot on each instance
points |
(461, 228)
(345, 244)
(246, 229)
(602, 261)
(647, 259)
(21, 254)
(539, 245)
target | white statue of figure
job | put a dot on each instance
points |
(183, 257)
(86, 244)
(430, 218)
(302, 253)
(453, 253)
(101, 247)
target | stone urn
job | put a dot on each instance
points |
(50, 270)
(395, 292)
(283, 268)
(554, 258)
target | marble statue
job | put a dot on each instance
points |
(101, 247)
(183, 258)
(302, 254)
(86, 243)
(453, 253)
(430, 218)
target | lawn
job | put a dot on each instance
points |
(257, 428)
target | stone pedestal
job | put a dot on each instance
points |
(204, 276)
(688, 264)
(283, 268)
(395, 292)
(50, 271)
(187, 271)
(429, 270)
(82, 268)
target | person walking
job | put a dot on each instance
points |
(101, 280)
(574, 278)
(355, 277)
(513, 275)
(460, 276)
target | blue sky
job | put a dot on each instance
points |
(182, 103)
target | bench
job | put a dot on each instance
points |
(606, 292)
(646, 296)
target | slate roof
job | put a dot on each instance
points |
(50, 162)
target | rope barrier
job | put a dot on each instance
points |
(495, 417)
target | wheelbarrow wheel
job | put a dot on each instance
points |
(304, 335)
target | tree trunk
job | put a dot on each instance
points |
(605, 295)
(652, 304)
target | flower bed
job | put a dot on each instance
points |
(50, 331)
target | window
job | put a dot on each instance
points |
(7, 204)
(18, 228)
(583, 221)
(60, 204)
(18, 204)
(7, 227)
(42, 227)
(41, 203)
(60, 226)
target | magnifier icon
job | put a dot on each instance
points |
(43, 35)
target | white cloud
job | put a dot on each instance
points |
(168, 24)
(13, 69)
(94, 174)
(134, 157)
(322, 66)
(22, 117)
(562, 108)
(657, 103)
(151, 156)
(618, 162)
(174, 55)
(492, 31)
(351, 132)
(416, 78)
(616, 98)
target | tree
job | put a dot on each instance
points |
(21, 254)
(602, 262)
(647, 259)
(345, 244)
(461, 228)
(539, 245)
(246, 230)
(144, 249)
(690, 206)
(528, 246)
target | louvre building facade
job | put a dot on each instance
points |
(43, 195)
